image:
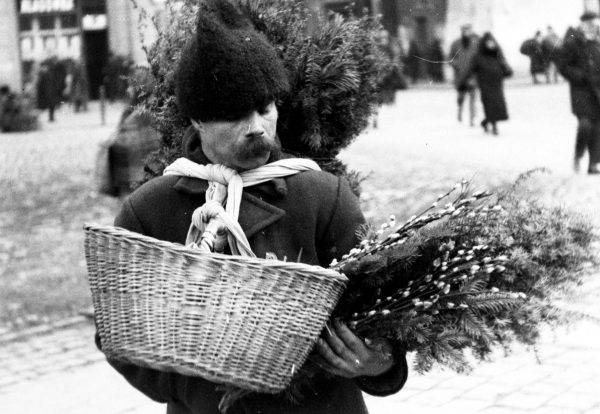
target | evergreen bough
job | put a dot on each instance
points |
(335, 68)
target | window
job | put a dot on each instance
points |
(49, 43)
(26, 45)
(68, 21)
(47, 22)
(25, 23)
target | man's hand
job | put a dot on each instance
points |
(342, 353)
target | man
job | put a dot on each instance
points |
(461, 55)
(49, 86)
(227, 82)
(539, 59)
(578, 61)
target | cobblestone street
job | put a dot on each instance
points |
(417, 149)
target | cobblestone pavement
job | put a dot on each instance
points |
(419, 147)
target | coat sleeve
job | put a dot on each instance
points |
(526, 48)
(157, 385)
(340, 237)
(469, 70)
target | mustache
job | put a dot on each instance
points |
(258, 147)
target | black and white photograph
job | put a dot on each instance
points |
(299, 206)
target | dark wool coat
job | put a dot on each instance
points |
(538, 55)
(462, 52)
(490, 71)
(578, 61)
(48, 88)
(313, 213)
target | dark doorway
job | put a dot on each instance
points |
(95, 46)
(422, 30)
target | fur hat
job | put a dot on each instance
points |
(228, 68)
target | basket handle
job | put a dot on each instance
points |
(210, 224)
(214, 238)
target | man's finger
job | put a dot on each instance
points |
(331, 357)
(353, 342)
(322, 363)
(339, 346)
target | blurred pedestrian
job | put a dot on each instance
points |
(552, 43)
(539, 59)
(394, 79)
(77, 86)
(578, 62)
(49, 87)
(490, 69)
(120, 162)
(435, 65)
(16, 112)
(8, 108)
(413, 61)
(462, 52)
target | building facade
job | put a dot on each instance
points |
(88, 31)
(10, 66)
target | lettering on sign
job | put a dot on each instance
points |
(46, 6)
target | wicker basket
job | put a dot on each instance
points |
(235, 320)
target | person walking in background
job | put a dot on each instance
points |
(534, 49)
(551, 44)
(77, 86)
(578, 62)
(490, 69)
(461, 55)
(49, 87)
(413, 61)
(435, 68)
(394, 80)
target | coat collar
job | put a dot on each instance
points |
(255, 213)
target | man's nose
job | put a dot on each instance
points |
(255, 126)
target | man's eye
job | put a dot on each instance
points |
(265, 110)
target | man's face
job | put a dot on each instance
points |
(466, 31)
(242, 144)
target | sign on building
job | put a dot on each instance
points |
(46, 6)
(94, 22)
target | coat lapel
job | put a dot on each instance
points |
(256, 214)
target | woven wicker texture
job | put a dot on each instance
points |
(235, 320)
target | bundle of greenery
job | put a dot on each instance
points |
(472, 272)
(336, 67)
(482, 270)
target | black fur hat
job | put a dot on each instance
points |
(228, 68)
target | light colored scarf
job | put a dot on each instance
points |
(225, 188)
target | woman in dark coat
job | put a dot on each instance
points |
(538, 55)
(490, 68)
